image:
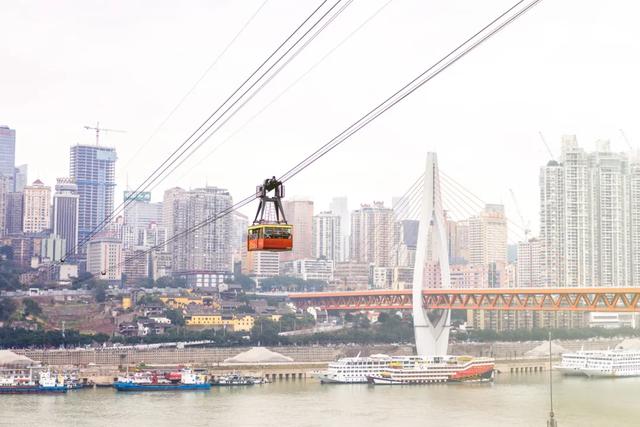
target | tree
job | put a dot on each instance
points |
(100, 294)
(7, 308)
(176, 317)
(6, 252)
(247, 283)
(31, 308)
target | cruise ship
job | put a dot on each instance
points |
(573, 363)
(350, 370)
(613, 363)
(436, 369)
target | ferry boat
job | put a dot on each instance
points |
(351, 370)
(237, 380)
(572, 364)
(183, 380)
(21, 384)
(613, 363)
(435, 369)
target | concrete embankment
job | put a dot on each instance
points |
(102, 364)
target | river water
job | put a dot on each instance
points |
(513, 400)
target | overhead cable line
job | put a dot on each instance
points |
(181, 150)
(197, 83)
(445, 62)
(474, 41)
(285, 90)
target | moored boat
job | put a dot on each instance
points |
(613, 363)
(46, 383)
(187, 380)
(435, 369)
(236, 380)
(350, 370)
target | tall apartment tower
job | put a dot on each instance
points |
(340, 206)
(488, 236)
(528, 273)
(327, 236)
(208, 248)
(37, 208)
(372, 232)
(167, 208)
(66, 209)
(589, 226)
(14, 212)
(92, 167)
(299, 213)
(21, 173)
(8, 156)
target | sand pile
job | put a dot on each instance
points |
(543, 350)
(629, 344)
(258, 355)
(10, 359)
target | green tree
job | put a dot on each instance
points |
(7, 308)
(6, 252)
(100, 294)
(31, 307)
(176, 317)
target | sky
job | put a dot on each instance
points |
(565, 67)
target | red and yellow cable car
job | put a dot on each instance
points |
(270, 235)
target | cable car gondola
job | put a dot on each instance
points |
(270, 235)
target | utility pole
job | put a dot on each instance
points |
(551, 422)
(98, 129)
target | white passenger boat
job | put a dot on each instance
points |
(572, 364)
(435, 369)
(613, 363)
(354, 369)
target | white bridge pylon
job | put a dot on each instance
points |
(431, 329)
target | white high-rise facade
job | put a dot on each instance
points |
(208, 248)
(488, 236)
(372, 233)
(340, 206)
(66, 208)
(528, 273)
(327, 236)
(589, 218)
(37, 208)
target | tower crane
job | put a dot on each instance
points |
(544, 141)
(525, 224)
(624, 136)
(98, 129)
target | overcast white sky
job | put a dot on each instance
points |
(566, 67)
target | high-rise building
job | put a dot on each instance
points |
(209, 247)
(37, 204)
(52, 249)
(104, 258)
(167, 208)
(66, 207)
(327, 236)
(589, 221)
(8, 156)
(404, 250)
(529, 264)
(488, 236)
(263, 265)
(14, 203)
(4, 190)
(372, 231)
(299, 213)
(92, 167)
(139, 212)
(340, 207)
(20, 178)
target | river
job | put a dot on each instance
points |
(513, 400)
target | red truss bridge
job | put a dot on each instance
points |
(520, 299)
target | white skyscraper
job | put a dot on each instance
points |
(372, 235)
(488, 236)
(340, 206)
(37, 205)
(327, 236)
(528, 273)
(589, 220)
(66, 208)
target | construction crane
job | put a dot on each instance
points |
(544, 141)
(624, 136)
(525, 224)
(98, 129)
